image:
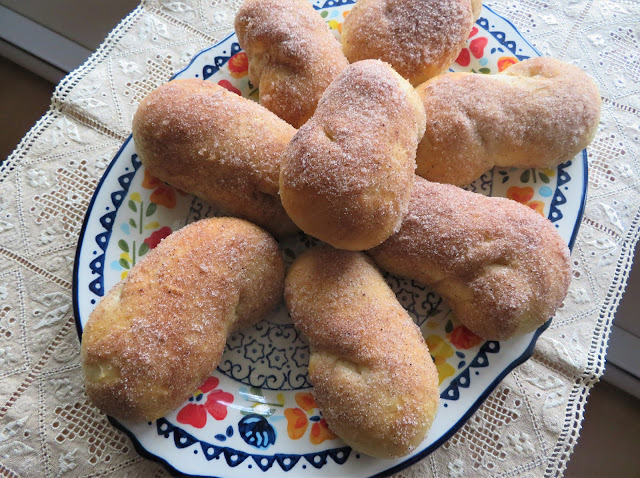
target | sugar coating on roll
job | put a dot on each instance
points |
(347, 174)
(535, 114)
(293, 56)
(501, 266)
(419, 38)
(160, 332)
(373, 377)
(221, 147)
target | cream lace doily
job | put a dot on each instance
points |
(527, 427)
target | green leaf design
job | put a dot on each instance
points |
(484, 71)
(324, 14)
(545, 178)
(122, 244)
(151, 209)
(132, 206)
(256, 391)
(124, 263)
(144, 248)
(524, 177)
(133, 223)
(449, 327)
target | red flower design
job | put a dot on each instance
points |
(463, 338)
(227, 84)
(505, 62)
(320, 432)
(239, 65)
(522, 195)
(464, 58)
(477, 46)
(217, 402)
(154, 239)
(537, 206)
(297, 423)
(163, 195)
(195, 414)
(525, 196)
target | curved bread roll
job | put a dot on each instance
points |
(501, 266)
(293, 56)
(373, 377)
(419, 38)
(159, 333)
(535, 114)
(347, 174)
(210, 142)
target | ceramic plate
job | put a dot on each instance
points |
(255, 415)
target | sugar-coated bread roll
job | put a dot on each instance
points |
(293, 56)
(535, 114)
(347, 174)
(419, 38)
(373, 377)
(501, 266)
(210, 142)
(159, 333)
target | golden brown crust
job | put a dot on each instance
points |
(293, 56)
(197, 136)
(373, 377)
(419, 38)
(502, 267)
(536, 113)
(347, 174)
(476, 9)
(159, 333)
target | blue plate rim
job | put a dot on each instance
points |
(408, 462)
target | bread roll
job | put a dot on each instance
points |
(501, 266)
(419, 38)
(373, 377)
(203, 139)
(159, 333)
(535, 114)
(347, 174)
(293, 56)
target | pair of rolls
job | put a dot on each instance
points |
(159, 333)
(345, 177)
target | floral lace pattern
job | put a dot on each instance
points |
(528, 426)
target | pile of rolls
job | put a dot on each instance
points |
(333, 150)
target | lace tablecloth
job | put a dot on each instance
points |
(527, 427)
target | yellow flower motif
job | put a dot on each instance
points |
(152, 225)
(549, 172)
(126, 257)
(124, 274)
(335, 25)
(441, 351)
(135, 197)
